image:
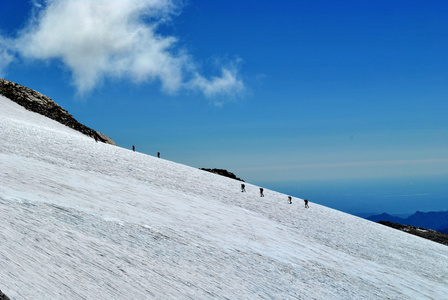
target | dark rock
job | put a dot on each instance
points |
(3, 296)
(36, 102)
(222, 172)
(429, 234)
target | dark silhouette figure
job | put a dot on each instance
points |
(243, 188)
(158, 154)
(96, 138)
(133, 148)
(306, 203)
(290, 199)
(261, 192)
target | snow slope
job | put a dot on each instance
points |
(86, 220)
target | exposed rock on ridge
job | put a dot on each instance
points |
(429, 234)
(36, 102)
(223, 172)
(3, 296)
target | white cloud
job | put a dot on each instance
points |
(36, 3)
(228, 83)
(97, 39)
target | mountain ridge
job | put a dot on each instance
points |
(39, 103)
(88, 220)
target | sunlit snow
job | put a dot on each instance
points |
(86, 220)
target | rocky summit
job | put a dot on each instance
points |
(36, 102)
(222, 172)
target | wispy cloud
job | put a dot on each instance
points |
(228, 83)
(406, 195)
(351, 164)
(97, 39)
(348, 170)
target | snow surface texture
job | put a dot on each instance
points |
(86, 220)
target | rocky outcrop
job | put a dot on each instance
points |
(429, 234)
(3, 296)
(36, 102)
(223, 172)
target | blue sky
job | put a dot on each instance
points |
(341, 102)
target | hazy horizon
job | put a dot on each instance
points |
(395, 196)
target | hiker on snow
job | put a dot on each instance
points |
(261, 192)
(290, 199)
(133, 148)
(306, 203)
(243, 187)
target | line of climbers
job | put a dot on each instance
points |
(243, 190)
(243, 186)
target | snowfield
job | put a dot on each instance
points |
(86, 220)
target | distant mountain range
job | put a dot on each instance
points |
(431, 220)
